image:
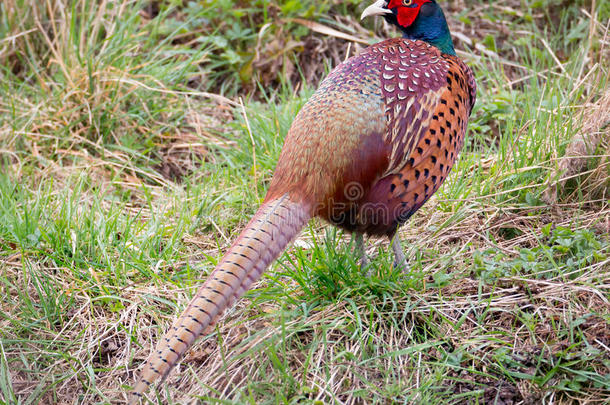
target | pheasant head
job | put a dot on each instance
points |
(416, 19)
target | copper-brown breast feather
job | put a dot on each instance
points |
(337, 137)
(386, 105)
(426, 127)
(412, 80)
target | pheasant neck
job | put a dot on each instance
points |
(431, 28)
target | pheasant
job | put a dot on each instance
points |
(368, 149)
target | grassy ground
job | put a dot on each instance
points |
(137, 138)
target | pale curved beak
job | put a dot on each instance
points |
(377, 8)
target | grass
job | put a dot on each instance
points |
(137, 139)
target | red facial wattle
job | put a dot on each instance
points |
(406, 10)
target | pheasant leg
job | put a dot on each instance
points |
(364, 261)
(399, 256)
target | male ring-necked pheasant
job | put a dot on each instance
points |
(369, 148)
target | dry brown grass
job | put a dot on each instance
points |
(589, 151)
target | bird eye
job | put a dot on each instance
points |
(407, 3)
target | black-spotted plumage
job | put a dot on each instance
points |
(406, 106)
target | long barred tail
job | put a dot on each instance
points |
(273, 227)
